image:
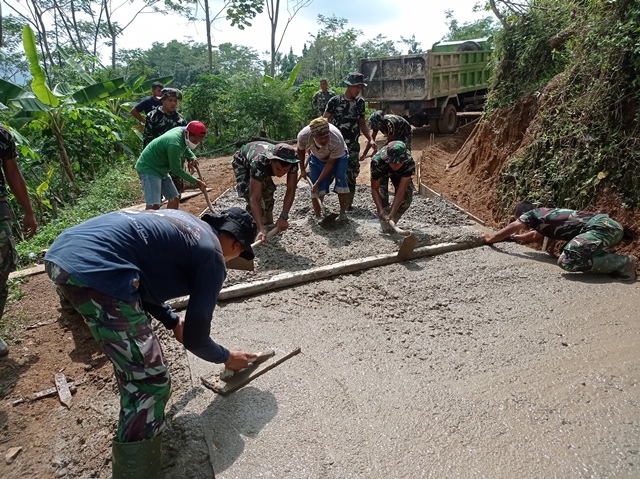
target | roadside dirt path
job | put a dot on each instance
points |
(480, 363)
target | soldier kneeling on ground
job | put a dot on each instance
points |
(587, 233)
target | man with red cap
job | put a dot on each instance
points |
(164, 155)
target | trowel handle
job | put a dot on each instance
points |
(270, 235)
(399, 230)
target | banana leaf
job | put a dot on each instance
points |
(29, 104)
(38, 84)
(9, 91)
(146, 86)
(100, 91)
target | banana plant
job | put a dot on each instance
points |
(49, 106)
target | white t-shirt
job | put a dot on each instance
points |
(335, 147)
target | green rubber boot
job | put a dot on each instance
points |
(137, 460)
(622, 267)
(628, 271)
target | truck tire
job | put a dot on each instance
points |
(449, 122)
(469, 46)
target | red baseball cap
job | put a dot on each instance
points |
(196, 128)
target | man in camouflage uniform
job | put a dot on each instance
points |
(394, 127)
(163, 119)
(588, 234)
(121, 267)
(346, 111)
(322, 97)
(254, 166)
(392, 163)
(11, 172)
(148, 104)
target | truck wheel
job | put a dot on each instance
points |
(449, 121)
(470, 46)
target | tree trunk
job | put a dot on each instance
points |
(75, 26)
(112, 35)
(65, 162)
(273, 17)
(209, 46)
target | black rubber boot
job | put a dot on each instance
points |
(137, 460)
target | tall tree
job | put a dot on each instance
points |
(239, 12)
(273, 11)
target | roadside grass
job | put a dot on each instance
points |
(116, 189)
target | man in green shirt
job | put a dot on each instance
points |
(166, 155)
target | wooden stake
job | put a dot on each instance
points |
(64, 393)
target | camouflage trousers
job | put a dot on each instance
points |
(598, 233)
(353, 167)
(123, 331)
(384, 193)
(8, 253)
(243, 180)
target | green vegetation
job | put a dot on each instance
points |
(581, 59)
(114, 189)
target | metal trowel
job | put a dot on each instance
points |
(408, 243)
(229, 381)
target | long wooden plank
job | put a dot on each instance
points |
(344, 267)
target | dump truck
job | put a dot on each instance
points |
(435, 88)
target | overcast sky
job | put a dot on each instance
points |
(391, 18)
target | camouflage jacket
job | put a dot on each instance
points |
(345, 115)
(251, 156)
(556, 223)
(8, 151)
(381, 169)
(398, 127)
(158, 122)
(320, 99)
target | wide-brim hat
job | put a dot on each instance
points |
(282, 152)
(395, 152)
(238, 223)
(171, 92)
(356, 78)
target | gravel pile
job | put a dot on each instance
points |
(308, 244)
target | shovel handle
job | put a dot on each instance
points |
(270, 235)
(399, 230)
(324, 210)
(206, 195)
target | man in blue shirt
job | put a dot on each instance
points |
(119, 268)
(148, 103)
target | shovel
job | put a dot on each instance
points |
(326, 218)
(206, 195)
(247, 264)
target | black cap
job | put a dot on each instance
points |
(523, 207)
(237, 222)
